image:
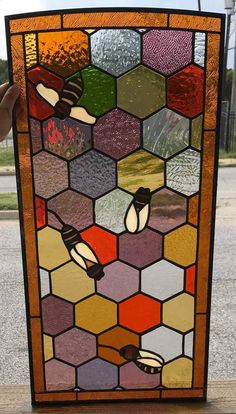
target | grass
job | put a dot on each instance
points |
(6, 157)
(8, 201)
(224, 154)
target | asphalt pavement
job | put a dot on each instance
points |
(222, 361)
(7, 184)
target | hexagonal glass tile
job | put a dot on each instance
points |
(120, 281)
(103, 243)
(52, 250)
(183, 172)
(132, 377)
(115, 50)
(93, 174)
(140, 169)
(199, 48)
(110, 210)
(178, 312)
(180, 246)
(167, 50)
(162, 280)
(57, 315)
(116, 134)
(188, 344)
(178, 373)
(163, 341)
(168, 210)
(59, 376)
(165, 133)
(97, 375)
(44, 282)
(141, 91)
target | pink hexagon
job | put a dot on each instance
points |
(57, 315)
(75, 346)
(59, 376)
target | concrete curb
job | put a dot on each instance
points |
(9, 215)
(227, 162)
(8, 170)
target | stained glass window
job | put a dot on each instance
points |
(116, 151)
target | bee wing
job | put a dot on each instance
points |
(78, 259)
(131, 219)
(81, 114)
(143, 217)
(48, 94)
(150, 362)
(151, 355)
(86, 252)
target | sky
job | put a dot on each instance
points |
(22, 6)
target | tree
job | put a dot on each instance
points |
(3, 71)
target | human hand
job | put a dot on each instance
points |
(8, 97)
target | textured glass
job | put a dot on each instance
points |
(183, 172)
(141, 91)
(199, 48)
(97, 375)
(196, 139)
(115, 51)
(30, 50)
(165, 133)
(156, 43)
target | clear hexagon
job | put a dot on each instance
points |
(74, 209)
(67, 138)
(97, 375)
(116, 134)
(164, 342)
(167, 50)
(166, 133)
(70, 282)
(168, 210)
(75, 346)
(115, 50)
(140, 249)
(44, 282)
(93, 174)
(95, 314)
(178, 312)
(120, 281)
(183, 172)
(50, 174)
(162, 280)
(188, 344)
(110, 210)
(140, 169)
(141, 91)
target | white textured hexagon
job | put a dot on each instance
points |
(188, 344)
(44, 282)
(164, 342)
(162, 280)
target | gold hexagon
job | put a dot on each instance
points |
(51, 249)
(177, 374)
(178, 312)
(180, 245)
(47, 347)
(140, 169)
(70, 282)
(95, 314)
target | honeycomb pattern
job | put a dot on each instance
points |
(148, 106)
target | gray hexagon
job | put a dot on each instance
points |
(162, 280)
(188, 344)
(115, 50)
(110, 210)
(183, 172)
(92, 174)
(166, 133)
(164, 342)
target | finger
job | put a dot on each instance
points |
(10, 97)
(3, 89)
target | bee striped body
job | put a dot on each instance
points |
(68, 97)
(147, 361)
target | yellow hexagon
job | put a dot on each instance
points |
(140, 169)
(178, 312)
(177, 374)
(180, 245)
(51, 249)
(71, 283)
(95, 314)
(47, 347)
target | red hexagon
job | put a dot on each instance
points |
(140, 313)
(40, 212)
(102, 242)
(185, 91)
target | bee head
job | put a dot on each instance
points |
(95, 272)
(62, 109)
(129, 352)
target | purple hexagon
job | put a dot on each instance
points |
(59, 376)
(67, 138)
(57, 315)
(93, 174)
(73, 208)
(140, 249)
(117, 134)
(35, 134)
(132, 377)
(120, 281)
(98, 375)
(75, 346)
(50, 174)
(167, 50)
(168, 210)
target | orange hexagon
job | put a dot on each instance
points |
(102, 242)
(180, 246)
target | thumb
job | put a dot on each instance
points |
(10, 97)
